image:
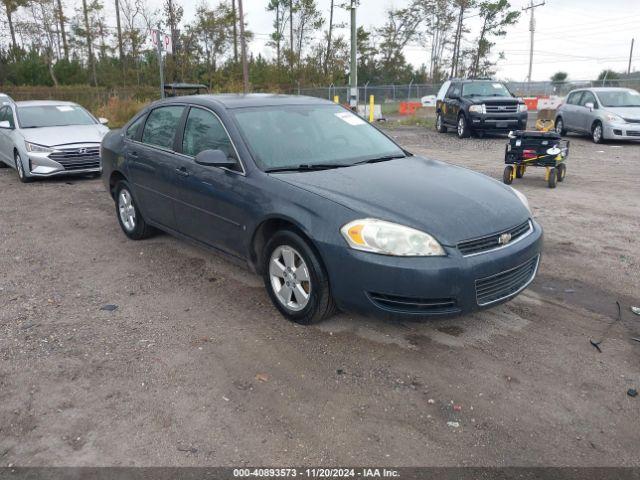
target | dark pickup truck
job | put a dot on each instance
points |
(478, 106)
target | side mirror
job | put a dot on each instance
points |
(5, 124)
(215, 158)
(103, 120)
(590, 106)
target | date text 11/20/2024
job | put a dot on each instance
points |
(316, 472)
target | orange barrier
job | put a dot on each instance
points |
(409, 108)
(532, 103)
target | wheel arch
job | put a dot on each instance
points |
(266, 229)
(116, 176)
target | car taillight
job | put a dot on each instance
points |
(529, 154)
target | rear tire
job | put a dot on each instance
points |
(561, 172)
(440, 124)
(520, 171)
(130, 219)
(296, 280)
(3, 165)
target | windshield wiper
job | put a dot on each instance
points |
(306, 167)
(380, 159)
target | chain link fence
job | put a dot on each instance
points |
(415, 91)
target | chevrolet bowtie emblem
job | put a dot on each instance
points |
(504, 238)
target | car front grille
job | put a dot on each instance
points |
(493, 241)
(424, 306)
(632, 120)
(633, 133)
(501, 108)
(506, 284)
(83, 158)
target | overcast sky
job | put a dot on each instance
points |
(581, 37)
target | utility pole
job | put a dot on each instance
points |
(243, 51)
(532, 29)
(160, 65)
(353, 70)
(630, 57)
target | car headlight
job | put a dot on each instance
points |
(386, 238)
(35, 148)
(612, 117)
(522, 107)
(523, 199)
(477, 109)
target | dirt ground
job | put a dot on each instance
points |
(195, 367)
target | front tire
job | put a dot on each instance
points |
(463, 128)
(597, 133)
(560, 127)
(129, 217)
(22, 176)
(296, 280)
(508, 174)
(553, 177)
(440, 124)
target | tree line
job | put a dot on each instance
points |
(46, 45)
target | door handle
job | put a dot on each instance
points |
(182, 171)
(133, 154)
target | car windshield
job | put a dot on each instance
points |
(53, 116)
(620, 98)
(311, 136)
(485, 89)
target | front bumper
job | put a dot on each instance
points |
(622, 131)
(428, 286)
(64, 162)
(498, 122)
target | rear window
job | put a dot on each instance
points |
(162, 124)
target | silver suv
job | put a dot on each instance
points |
(605, 113)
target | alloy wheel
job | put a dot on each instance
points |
(461, 126)
(597, 133)
(127, 210)
(290, 279)
(19, 166)
(439, 122)
(559, 126)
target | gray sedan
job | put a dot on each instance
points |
(605, 113)
(49, 138)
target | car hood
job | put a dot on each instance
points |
(495, 100)
(451, 203)
(58, 136)
(632, 113)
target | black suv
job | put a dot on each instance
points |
(478, 105)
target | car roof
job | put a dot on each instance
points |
(42, 103)
(600, 89)
(238, 100)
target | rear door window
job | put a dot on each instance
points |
(161, 126)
